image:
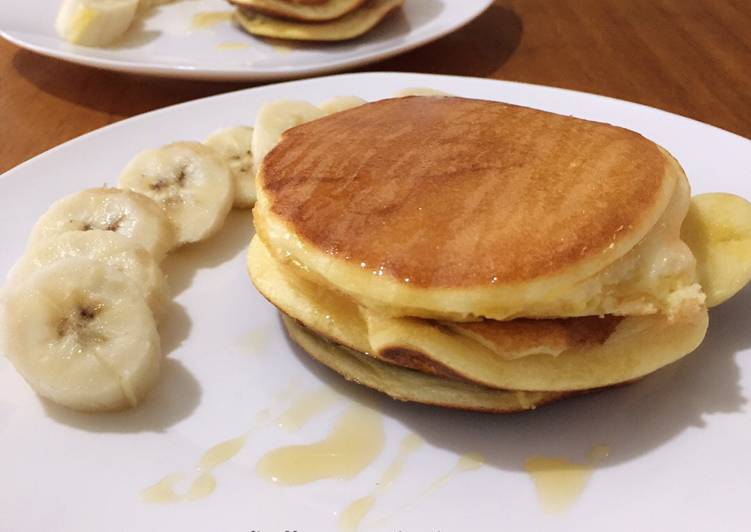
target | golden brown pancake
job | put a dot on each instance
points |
(523, 336)
(456, 209)
(637, 346)
(407, 385)
(302, 10)
(348, 26)
(317, 197)
(593, 354)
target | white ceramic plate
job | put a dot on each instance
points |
(168, 44)
(679, 440)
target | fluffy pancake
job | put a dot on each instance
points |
(636, 347)
(349, 26)
(408, 385)
(306, 10)
(609, 352)
(449, 208)
(523, 337)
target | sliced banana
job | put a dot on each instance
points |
(419, 91)
(112, 249)
(340, 103)
(274, 118)
(189, 181)
(718, 231)
(232, 144)
(110, 209)
(82, 335)
(95, 22)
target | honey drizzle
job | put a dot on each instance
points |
(232, 46)
(354, 442)
(560, 482)
(203, 484)
(466, 462)
(305, 408)
(351, 517)
(208, 19)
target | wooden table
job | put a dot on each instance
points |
(691, 57)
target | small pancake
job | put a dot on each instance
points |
(302, 10)
(609, 352)
(349, 26)
(408, 385)
(636, 347)
(451, 208)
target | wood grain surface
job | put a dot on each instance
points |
(691, 57)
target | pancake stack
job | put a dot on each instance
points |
(477, 255)
(312, 20)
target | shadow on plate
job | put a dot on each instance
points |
(478, 49)
(181, 265)
(173, 399)
(396, 25)
(632, 420)
(174, 328)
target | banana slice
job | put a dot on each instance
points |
(232, 144)
(718, 231)
(112, 249)
(274, 118)
(191, 184)
(340, 103)
(419, 91)
(95, 22)
(127, 213)
(82, 335)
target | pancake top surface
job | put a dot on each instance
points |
(443, 191)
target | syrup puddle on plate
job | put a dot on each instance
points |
(465, 463)
(302, 410)
(283, 49)
(306, 408)
(208, 19)
(559, 482)
(355, 441)
(164, 490)
(232, 46)
(280, 46)
(253, 341)
(203, 484)
(351, 517)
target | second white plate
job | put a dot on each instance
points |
(168, 43)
